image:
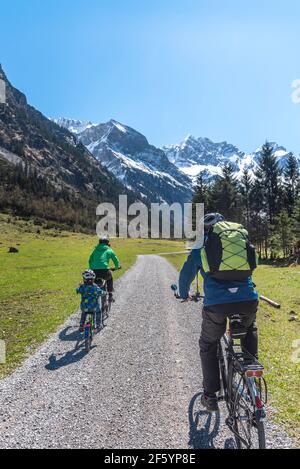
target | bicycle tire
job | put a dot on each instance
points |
(88, 341)
(223, 371)
(101, 320)
(261, 435)
(104, 308)
(87, 345)
(253, 435)
(88, 336)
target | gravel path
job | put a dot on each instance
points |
(138, 387)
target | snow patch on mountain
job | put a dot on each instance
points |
(129, 156)
(201, 155)
(73, 125)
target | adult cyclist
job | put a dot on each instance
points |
(222, 299)
(100, 263)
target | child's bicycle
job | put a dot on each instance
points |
(89, 329)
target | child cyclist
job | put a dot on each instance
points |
(90, 294)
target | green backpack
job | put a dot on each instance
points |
(227, 253)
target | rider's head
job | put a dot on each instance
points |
(89, 276)
(211, 219)
(104, 240)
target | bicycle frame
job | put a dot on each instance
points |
(89, 325)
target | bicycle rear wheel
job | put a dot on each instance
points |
(248, 427)
(223, 372)
(261, 435)
(106, 307)
(87, 339)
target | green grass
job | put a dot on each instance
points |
(276, 338)
(37, 285)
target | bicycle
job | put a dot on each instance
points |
(89, 328)
(105, 299)
(243, 387)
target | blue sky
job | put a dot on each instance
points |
(214, 68)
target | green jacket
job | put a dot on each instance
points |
(101, 256)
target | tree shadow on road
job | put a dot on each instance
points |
(70, 357)
(205, 427)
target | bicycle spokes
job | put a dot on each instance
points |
(246, 393)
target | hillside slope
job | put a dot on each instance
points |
(39, 149)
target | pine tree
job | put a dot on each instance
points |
(268, 175)
(282, 237)
(295, 220)
(292, 182)
(224, 196)
(246, 186)
(201, 196)
(201, 191)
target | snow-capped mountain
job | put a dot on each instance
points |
(195, 155)
(128, 155)
(73, 125)
(165, 174)
(201, 155)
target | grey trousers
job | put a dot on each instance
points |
(213, 328)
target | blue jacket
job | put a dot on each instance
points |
(216, 291)
(89, 297)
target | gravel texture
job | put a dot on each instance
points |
(138, 388)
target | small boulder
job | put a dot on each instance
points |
(13, 250)
(293, 316)
(292, 319)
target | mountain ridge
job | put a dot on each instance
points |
(36, 152)
(190, 157)
(139, 165)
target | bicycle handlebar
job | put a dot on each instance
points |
(113, 269)
(196, 297)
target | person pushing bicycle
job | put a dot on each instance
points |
(226, 262)
(99, 263)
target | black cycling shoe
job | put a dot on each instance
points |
(210, 403)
